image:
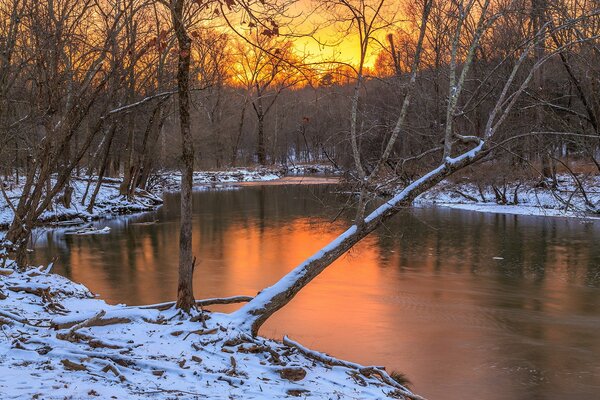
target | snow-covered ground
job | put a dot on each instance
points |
(311, 169)
(58, 342)
(171, 181)
(566, 200)
(108, 202)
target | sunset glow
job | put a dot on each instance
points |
(316, 199)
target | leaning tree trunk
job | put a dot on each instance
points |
(185, 292)
(271, 299)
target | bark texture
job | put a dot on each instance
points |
(185, 291)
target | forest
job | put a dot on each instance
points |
(492, 98)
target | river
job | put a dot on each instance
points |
(468, 305)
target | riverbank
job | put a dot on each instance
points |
(109, 201)
(59, 341)
(171, 181)
(571, 198)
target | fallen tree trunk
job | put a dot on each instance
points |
(271, 299)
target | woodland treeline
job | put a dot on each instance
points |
(97, 79)
(131, 87)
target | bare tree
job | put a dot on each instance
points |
(266, 66)
(185, 288)
(64, 107)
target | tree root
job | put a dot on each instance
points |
(110, 366)
(201, 332)
(365, 371)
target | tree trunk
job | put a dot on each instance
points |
(103, 166)
(261, 150)
(236, 143)
(185, 292)
(67, 196)
(129, 169)
(148, 147)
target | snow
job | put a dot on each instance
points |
(311, 169)
(108, 202)
(204, 180)
(146, 353)
(564, 201)
(88, 230)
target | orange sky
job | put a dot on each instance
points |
(330, 42)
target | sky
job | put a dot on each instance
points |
(330, 41)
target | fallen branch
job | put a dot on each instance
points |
(110, 366)
(466, 196)
(73, 336)
(38, 291)
(366, 371)
(88, 322)
(201, 332)
(201, 303)
(73, 366)
(97, 320)
(14, 317)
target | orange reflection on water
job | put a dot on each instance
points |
(460, 302)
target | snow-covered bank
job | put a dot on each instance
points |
(311, 169)
(60, 342)
(522, 198)
(171, 181)
(108, 202)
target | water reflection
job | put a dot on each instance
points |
(469, 305)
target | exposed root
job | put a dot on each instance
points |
(365, 371)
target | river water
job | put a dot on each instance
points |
(468, 305)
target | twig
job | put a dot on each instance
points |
(202, 303)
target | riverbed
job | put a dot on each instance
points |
(466, 304)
